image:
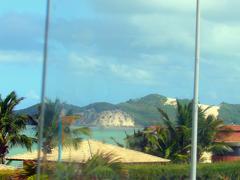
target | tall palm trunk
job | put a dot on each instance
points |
(3, 152)
(2, 159)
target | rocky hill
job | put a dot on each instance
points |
(140, 112)
(114, 118)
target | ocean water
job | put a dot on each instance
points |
(101, 134)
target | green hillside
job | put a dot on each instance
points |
(99, 107)
(230, 113)
(143, 110)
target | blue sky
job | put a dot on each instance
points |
(105, 50)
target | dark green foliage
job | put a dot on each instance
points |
(72, 136)
(104, 166)
(101, 166)
(215, 171)
(138, 141)
(29, 169)
(66, 171)
(12, 126)
(172, 140)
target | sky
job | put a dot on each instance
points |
(105, 50)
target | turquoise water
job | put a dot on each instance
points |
(101, 134)
(105, 134)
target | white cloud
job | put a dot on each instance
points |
(84, 62)
(19, 57)
(163, 30)
(221, 38)
(131, 73)
(161, 6)
(32, 95)
(125, 71)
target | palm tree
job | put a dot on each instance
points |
(180, 132)
(12, 126)
(208, 129)
(172, 139)
(104, 166)
(138, 141)
(53, 111)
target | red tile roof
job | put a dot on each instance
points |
(229, 134)
(234, 128)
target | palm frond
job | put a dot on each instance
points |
(82, 131)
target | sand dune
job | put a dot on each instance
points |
(213, 110)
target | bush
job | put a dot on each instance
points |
(7, 174)
(181, 171)
(216, 171)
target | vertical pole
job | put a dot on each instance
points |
(193, 174)
(44, 71)
(59, 139)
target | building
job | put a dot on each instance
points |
(229, 134)
(90, 147)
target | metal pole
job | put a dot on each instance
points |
(41, 123)
(60, 139)
(195, 99)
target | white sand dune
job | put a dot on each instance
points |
(171, 101)
(213, 110)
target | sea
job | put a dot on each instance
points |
(98, 133)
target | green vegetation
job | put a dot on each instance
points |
(215, 171)
(72, 137)
(230, 113)
(99, 166)
(100, 106)
(144, 110)
(172, 140)
(7, 174)
(102, 166)
(12, 126)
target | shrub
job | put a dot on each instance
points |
(7, 174)
(181, 171)
(101, 169)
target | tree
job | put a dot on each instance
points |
(138, 141)
(104, 166)
(208, 129)
(54, 111)
(12, 126)
(172, 140)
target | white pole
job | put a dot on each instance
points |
(41, 123)
(195, 99)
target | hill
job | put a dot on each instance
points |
(141, 112)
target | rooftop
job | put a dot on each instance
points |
(90, 147)
(229, 134)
